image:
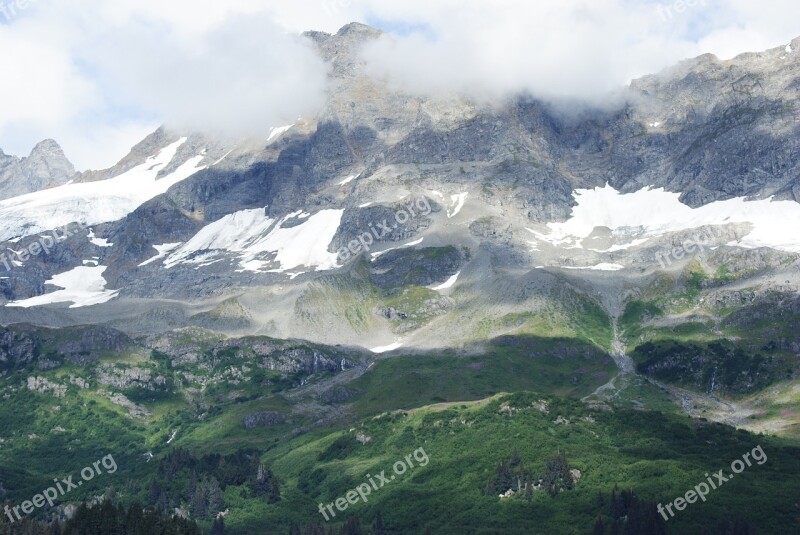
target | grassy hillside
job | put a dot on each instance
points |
(658, 457)
(267, 430)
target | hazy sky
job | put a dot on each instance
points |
(98, 76)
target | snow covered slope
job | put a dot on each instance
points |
(92, 203)
(652, 212)
(82, 286)
(258, 241)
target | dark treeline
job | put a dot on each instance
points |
(512, 474)
(200, 482)
(351, 527)
(630, 515)
(106, 519)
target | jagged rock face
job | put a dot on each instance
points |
(23, 344)
(16, 349)
(716, 367)
(380, 222)
(91, 342)
(420, 267)
(730, 127)
(45, 167)
(197, 346)
(129, 378)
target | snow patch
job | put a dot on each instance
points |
(93, 203)
(653, 212)
(163, 250)
(348, 180)
(83, 286)
(386, 349)
(410, 244)
(623, 246)
(457, 203)
(598, 267)
(278, 131)
(448, 283)
(256, 238)
(223, 157)
(100, 242)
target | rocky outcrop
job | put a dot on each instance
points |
(416, 267)
(110, 375)
(41, 385)
(134, 410)
(191, 346)
(87, 344)
(718, 366)
(17, 349)
(307, 360)
(381, 222)
(45, 167)
(264, 419)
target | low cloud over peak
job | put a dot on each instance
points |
(98, 76)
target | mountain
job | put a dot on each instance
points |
(398, 251)
(520, 184)
(518, 203)
(45, 167)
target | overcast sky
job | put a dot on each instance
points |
(97, 76)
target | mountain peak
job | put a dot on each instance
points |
(45, 167)
(353, 31)
(47, 148)
(358, 29)
(48, 157)
(342, 50)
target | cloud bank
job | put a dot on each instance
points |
(97, 76)
(574, 49)
(240, 77)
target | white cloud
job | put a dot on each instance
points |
(242, 76)
(97, 75)
(566, 48)
(43, 85)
